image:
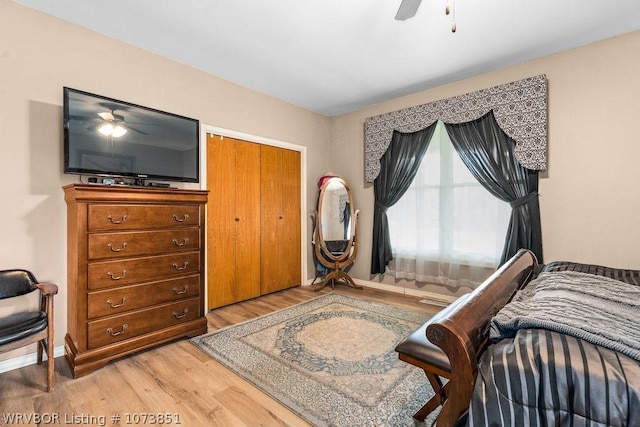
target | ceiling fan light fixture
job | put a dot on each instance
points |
(454, 27)
(119, 131)
(108, 129)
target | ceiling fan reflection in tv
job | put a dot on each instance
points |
(110, 123)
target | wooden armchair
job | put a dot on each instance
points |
(21, 329)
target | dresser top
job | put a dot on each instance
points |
(127, 193)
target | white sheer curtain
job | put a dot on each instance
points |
(447, 228)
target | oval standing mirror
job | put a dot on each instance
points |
(335, 234)
(335, 218)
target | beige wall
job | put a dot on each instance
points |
(590, 194)
(40, 54)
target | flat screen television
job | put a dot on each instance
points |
(110, 138)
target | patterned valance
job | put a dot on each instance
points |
(520, 109)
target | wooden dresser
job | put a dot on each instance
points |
(135, 266)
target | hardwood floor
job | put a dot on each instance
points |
(176, 379)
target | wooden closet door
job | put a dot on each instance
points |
(281, 219)
(247, 220)
(233, 231)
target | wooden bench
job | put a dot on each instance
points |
(417, 350)
(449, 345)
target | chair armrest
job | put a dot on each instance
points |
(47, 289)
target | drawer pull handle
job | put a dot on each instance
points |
(180, 316)
(115, 221)
(184, 242)
(186, 263)
(183, 291)
(112, 305)
(115, 334)
(184, 218)
(124, 273)
(113, 249)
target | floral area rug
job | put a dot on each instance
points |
(331, 360)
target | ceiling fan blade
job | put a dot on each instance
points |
(142, 123)
(82, 118)
(136, 130)
(107, 116)
(407, 9)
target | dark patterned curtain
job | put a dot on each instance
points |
(398, 167)
(489, 154)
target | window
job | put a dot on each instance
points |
(446, 228)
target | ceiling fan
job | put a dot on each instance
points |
(110, 123)
(113, 124)
(407, 9)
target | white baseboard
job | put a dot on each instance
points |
(26, 360)
(430, 297)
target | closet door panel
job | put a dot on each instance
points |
(291, 211)
(271, 221)
(281, 216)
(233, 180)
(221, 246)
(247, 220)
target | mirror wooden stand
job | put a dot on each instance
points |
(335, 232)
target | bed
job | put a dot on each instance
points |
(555, 344)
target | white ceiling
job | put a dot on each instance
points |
(334, 56)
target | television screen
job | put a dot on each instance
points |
(107, 137)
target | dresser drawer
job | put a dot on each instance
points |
(131, 217)
(127, 298)
(121, 327)
(115, 245)
(109, 274)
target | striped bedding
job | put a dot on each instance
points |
(542, 378)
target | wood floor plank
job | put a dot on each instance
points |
(176, 378)
(173, 381)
